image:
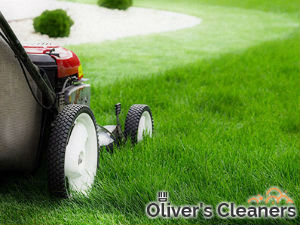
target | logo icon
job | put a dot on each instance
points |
(162, 196)
(273, 195)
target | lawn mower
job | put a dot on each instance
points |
(44, 102)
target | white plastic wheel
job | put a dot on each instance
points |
(138, 123)
(145, 126)
(81, 155)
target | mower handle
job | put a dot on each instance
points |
(20, 53)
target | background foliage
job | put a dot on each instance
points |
(115, 4)
(54, 23)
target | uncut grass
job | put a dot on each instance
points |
(224, 130)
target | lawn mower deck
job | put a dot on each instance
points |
(51, 107)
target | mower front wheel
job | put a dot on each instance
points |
(72, 152)
(138, 123)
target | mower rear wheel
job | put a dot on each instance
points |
(72, 152)
(138, 123)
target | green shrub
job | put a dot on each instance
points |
(54, 23)
(115, 4)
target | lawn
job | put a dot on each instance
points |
(225, 99)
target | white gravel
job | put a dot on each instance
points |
(91, 22)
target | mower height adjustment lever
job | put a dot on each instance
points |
(118, 111)
(119, 128)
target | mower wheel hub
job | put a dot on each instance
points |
(81, 152)
(145, 126)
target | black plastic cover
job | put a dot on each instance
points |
(46, 63)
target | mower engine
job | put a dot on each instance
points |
(64, 71)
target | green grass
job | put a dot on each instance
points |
(278, 6)
(225, 99)
(222, 30)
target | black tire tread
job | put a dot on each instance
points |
(59, 137)
(133, 119)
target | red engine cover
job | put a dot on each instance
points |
(67, 61)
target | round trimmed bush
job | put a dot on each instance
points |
(115, 4)
(54, 23)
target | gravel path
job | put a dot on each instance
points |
(92, 23)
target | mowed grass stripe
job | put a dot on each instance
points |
(223, 30)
